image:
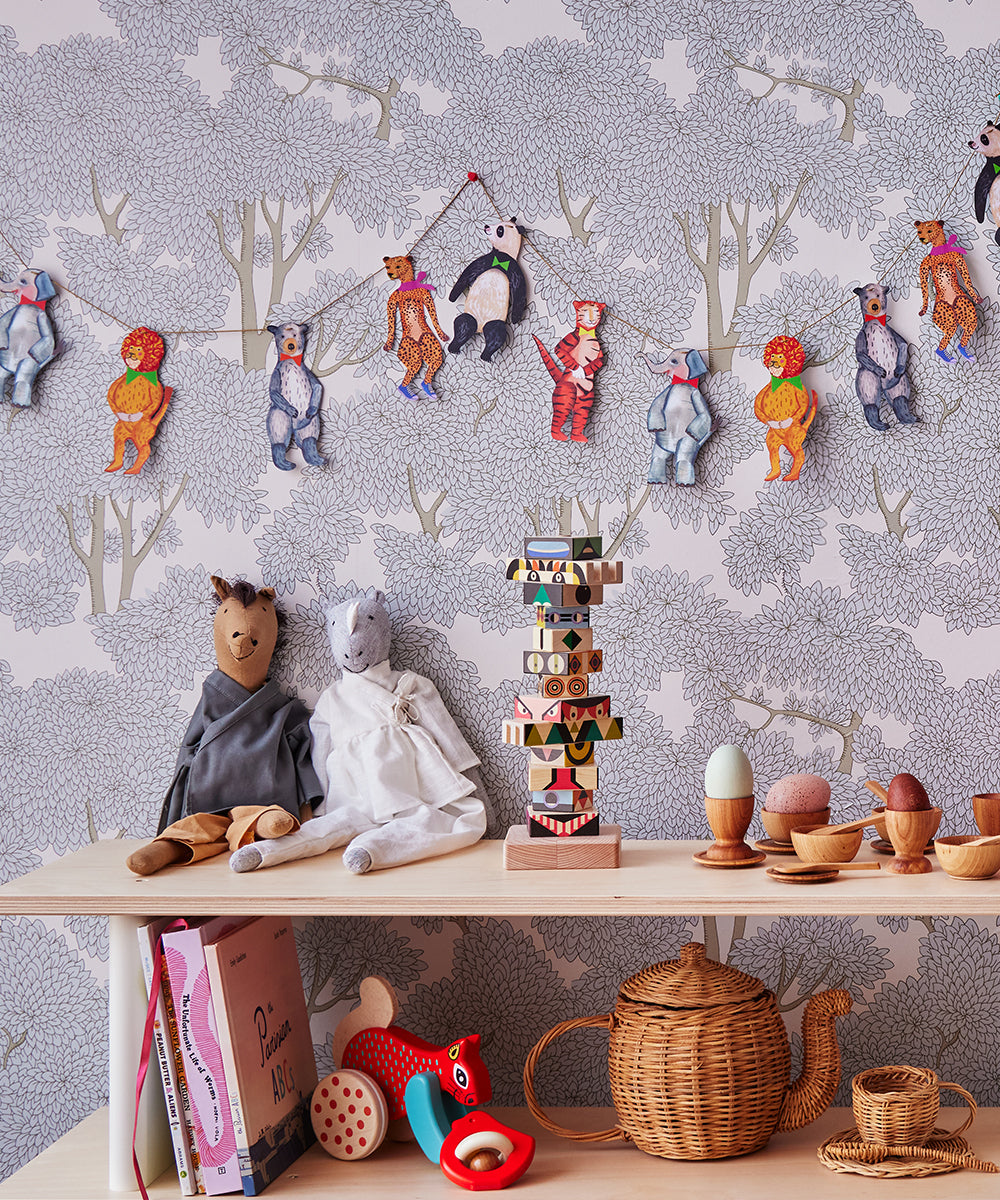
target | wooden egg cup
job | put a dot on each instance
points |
(729, 820)
(909, 833)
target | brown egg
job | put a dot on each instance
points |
(484, 1160)
(906, 794)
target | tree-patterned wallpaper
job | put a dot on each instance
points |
(716, 171)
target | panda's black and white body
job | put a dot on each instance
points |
(988, 183)
(497, 292)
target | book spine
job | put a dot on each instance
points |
(168, 1072)
(229, 1064)
(182, 1087)
(196, 1026)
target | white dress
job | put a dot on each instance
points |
(390, 759)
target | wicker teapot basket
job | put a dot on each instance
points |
(699, 1061)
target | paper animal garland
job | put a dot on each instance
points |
(987, 189)
(678, 418)
(784, 405)
(27, 339)
(137, 398)
(295, 394)
(580, 358)
(417, 344)
(882, 355)
(497, 292)
(955, 298)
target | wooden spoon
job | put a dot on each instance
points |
(851, 827)
(990, 840)
(877, 790)
(808, 868)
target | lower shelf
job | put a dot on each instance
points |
(76, 1167)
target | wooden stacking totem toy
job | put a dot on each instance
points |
(561, 724)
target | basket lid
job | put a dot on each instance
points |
(691, 981)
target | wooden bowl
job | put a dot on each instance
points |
(967, 862)
(815, 847)
(779, 826)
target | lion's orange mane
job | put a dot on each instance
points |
(795, 356)
(150, 345)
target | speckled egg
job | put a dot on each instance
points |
(728, 774)
(798, 794)
(907, 794)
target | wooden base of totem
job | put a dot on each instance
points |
(524, 853)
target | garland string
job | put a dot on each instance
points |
(474, 178)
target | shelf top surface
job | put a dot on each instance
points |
(654, 877)
(562, 1170)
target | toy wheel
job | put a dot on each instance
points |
(349, 1115)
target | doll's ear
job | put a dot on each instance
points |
(267, 593)
(220, 585)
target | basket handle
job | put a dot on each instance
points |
(956, 1087)
(605, 1021)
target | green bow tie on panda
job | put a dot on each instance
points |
(502, 265)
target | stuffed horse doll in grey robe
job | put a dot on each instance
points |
(401, 783)
(244, 769)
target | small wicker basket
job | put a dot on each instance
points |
(898, 1105)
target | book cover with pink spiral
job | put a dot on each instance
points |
(184, 955)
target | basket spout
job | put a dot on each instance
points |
(812, 1092)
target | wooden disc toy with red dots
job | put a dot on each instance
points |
(349, 1115)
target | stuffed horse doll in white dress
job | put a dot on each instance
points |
(401, 783)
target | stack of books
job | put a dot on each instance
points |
(235, 1054)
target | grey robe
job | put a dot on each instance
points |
(242, 748)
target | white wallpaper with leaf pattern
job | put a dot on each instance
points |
(717, 171)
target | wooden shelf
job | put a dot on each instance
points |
(654, 877)
(562, 1170)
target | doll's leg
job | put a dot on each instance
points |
(423, 833)
(188, 840)
(254, 822)
(315, 837)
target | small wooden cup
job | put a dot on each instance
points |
(986, 810)
(729, 821)
(909, 832)
(779, 826)
(813, 847)
(967, 862)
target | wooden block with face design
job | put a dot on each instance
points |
(541, 708)
(560, 571)
(571, 754)
(562, 618)
(550, 778)
(573, 662)
(562, 639)
(563, 685)
(550, 733)
(572, 800)
(559, 595)
(585, 824)
(563, 547)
